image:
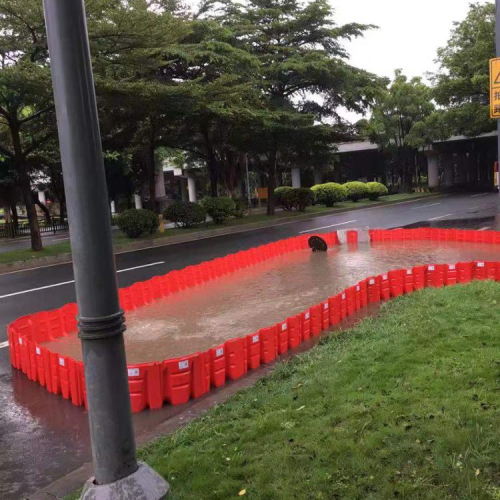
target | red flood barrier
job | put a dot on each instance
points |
(175, 381)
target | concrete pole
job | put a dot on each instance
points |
(101, 321)
(184, 189)
(191, 189)
(138, 201)
(432, 170)
(296, 177)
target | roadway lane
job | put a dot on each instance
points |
(52, 429)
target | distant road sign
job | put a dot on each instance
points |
(495, 87)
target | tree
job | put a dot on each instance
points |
(399, 116)
(462, 84)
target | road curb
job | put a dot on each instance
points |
(66, 258)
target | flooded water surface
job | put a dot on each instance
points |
(264, 294)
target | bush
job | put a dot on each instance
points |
(185, 214)
(303, 198)
(290, 198)
(241, 207)
(220, 209)
(284, 197)
(375, 190)
(330, 193)
(136, 222)
(356, 190)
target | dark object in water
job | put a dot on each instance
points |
(317, 244)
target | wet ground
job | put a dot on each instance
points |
(242, 303)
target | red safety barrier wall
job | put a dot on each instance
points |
(175, 381)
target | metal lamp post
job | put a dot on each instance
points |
(118, 475)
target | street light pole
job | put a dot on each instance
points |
(101, 321)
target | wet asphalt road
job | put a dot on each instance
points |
(43, 437)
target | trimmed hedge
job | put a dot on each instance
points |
(284, 197)
(220, 209)
(356, 190)
(375, 190)
(290, 198)
(135, 222)
(185, 214)
(330, 193)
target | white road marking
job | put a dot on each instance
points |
(484, 228)
(440, 217)
(72, 281)
(5, 344)
(426, 206)
(326, 227)
(477, 195)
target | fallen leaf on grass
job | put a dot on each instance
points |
(242, 492)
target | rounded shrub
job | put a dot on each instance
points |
(185, 214)
(303, 198)
(356, 190)
(375, 190)
(241, 208)
(220, 209)
(330, 193)
(136, 222)
(284, 197)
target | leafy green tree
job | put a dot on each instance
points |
(462, 84)
(399, 115)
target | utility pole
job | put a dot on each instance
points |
(101, 323)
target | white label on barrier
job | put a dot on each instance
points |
(255, 339)
(283, 327)
(183, 365)
(326, 306)
(480, 264)
(409, 272)
(343, 296)
(371, 282)
(20, 341)
(307, 315)
(219, 352)
(451, 267)
(38, 351)
(431, 268)
(133, 372)
(384, 277)
(358, 288)
(61, 362)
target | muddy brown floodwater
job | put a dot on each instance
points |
(264, 294)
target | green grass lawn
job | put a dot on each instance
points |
(405, 405)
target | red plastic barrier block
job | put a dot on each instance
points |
(268, 344)
(385, 288)
(39, 365)
(138, 295)
(236, 358)
(350, 295)
(364, 292)
(177, 379)
(201, 374)
(352, 237)
(69, 313)
(492, 270)
(418, 277)
(64, 376)
(147, 291)
(373, 284)
(464, 272)
(434, 275)
(25, 355)
(306, 325)
(485, 270)
(396, 282)
(358, 297)
(282, 332)
(218, 366)
(316, 326)
(450, 277)
(408, 283)
(126, 299)
(253, 350)
(294, 331)
(13, 350)
(33, 373)
(54, 372)
(47, 368)
(343, 305)
(74, 383)
(334, 308)
(137, 382)
(325, 315)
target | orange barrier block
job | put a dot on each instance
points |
(396, 282)
(282, 332)
(253, 350)
(350, 294)
(47, 368)
(450, 277)
(385, 287)
(33, 372)
(352, 237)
(74, 383)
(54, 372)
(15, 359)
(334, 308)
(325, 315)
(408, 282)
(236, 358)
(316, 326)
(357, 300)
(363, 285)
(177, 379)
(126, 299)
(64, 376)
(201, 375)
(69, 313)
(373, 284)
(137, 382)
(218, 366)
(39, 365)
(343, 305)
(268, 344)
(306, 325)
(434, 275)
(418, 277)
(464, 272)
(294, 333)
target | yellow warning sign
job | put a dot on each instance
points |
(495, 87)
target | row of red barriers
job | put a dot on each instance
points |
(175, 381)
(434, 234)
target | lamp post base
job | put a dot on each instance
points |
(143, 484)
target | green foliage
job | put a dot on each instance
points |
(285, 197)
(135, 222)
(375, 190)
(241, 208)
(290, 198)
(220, 209)
(329, 193)
(185, 214)
(356, 190)
(304, 197)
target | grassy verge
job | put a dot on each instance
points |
(406, 405)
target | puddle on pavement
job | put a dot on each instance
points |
(256, 297)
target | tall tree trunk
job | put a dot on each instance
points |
(43, 208)
(271, 185)
(211, 162)
(152, 167)
(15, 217)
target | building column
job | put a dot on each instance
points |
(296, 177)
(448, 171)
(184, 189)
(41, 197)
(138, 201)
(112, 206)
(432, 170)
(160, 184)
(318, 176)
(191, 185)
